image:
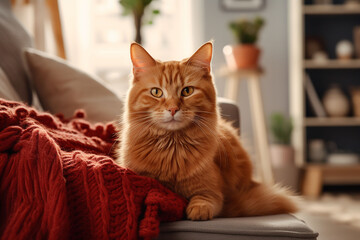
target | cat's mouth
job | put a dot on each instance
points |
(171, 120)
(172, 124)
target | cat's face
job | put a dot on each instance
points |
(172, 95)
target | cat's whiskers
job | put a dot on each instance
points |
(137, 123)
(139, 112)
(139, 116)
(198, 111)
(140, 121)
(113, 146)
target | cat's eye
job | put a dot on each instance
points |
(156, 92)
(187, 91)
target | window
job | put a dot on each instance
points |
(98, 36)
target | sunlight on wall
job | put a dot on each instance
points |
(97, 36)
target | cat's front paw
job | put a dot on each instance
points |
(200, 211)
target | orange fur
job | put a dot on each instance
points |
(195, 153)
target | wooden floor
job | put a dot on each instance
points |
(319, 214)
(329, 229)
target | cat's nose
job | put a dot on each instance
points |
(173, 110)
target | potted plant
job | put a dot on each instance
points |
(281, 151)
(137, 8)
(245, 54)
(281, 128)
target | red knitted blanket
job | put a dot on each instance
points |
(58, 181)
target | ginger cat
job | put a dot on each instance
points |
(172, 131)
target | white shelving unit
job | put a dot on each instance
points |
(316, 174)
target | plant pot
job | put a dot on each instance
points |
(242, 56)
(285, 171)
(281, 155)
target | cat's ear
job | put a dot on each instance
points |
(140, 58)
(202, 57)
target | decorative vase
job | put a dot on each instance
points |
(335, 102)
(320, 57)
(344, 50)
(242, 56)
(317, 150)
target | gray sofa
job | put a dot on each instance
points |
(15, 84)
(274, 227)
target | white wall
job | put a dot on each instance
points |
(274, 59)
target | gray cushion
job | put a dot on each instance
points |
(282, 226)
(13, 38)
(63, 88)
(229, 111)
(7, 91)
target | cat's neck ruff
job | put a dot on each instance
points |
(176, 148)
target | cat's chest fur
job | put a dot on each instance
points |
(171, 157)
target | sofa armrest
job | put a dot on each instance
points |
(230, 111)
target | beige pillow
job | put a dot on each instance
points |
(7, 91)
(63, 89)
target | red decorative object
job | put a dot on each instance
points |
(58, 181)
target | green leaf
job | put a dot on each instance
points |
(281, 128)
(146, 2)
(246, 31)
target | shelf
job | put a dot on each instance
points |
(332, 122)
(328, 166)
(333, 64)
(337, 174)
(331, 10)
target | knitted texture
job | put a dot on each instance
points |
(58, 181)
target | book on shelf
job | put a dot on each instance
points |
(314, 99)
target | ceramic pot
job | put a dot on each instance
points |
(344, 49)
(335, 102)
(242, 56)
(285, 171)
(281, 155)
(317, 150)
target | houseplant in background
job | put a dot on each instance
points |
(138, 8)
(281, 128)
(281, 151)
(245, 54)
